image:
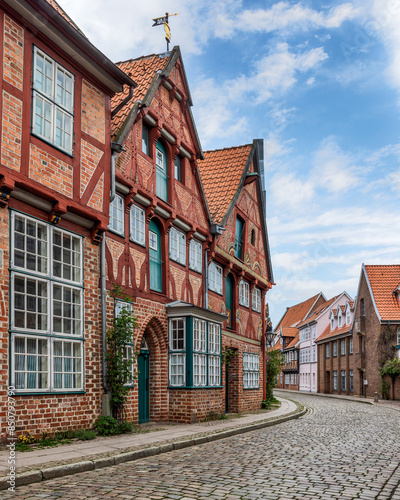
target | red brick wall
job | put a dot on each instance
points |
(326, 367)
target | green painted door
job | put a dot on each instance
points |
(143, 386)
(229, 300)
(155, 257)
(161, 172)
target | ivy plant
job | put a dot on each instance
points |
(391, 368)
(119, 368)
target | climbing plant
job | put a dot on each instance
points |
(119, 366)
(274, 362)
(392, 369)
(228, 353)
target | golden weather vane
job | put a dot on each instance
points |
(164, 20)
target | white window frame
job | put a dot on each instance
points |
(343, 380)
(256, 299)
(335, 380)
(214, 338)
(153, 240)
(351, 345)
(49, 98)
(177, 246)
(327, 350)
(195, 255)
(251, 370)
(117, 215)
(177, 360)
(351, 381)
(334, 349)
(173, 327)
(47, 260)
(199, 370)
(343, 347)
(244, 292)
(137, 225)
(199, 335)
(398, 336)
(215, 278)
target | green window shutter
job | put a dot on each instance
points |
(161, 172)
(155, 259)
(239, 238)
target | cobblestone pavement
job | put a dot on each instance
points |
(339, 450)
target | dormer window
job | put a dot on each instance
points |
(339, 320)
(348, 317)
(332, 323)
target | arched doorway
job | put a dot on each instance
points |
(153, 373)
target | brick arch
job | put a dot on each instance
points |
(155, 336)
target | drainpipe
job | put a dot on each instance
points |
(206, 281)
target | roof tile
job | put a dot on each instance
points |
(384, 280)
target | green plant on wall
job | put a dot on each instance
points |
(391, 368)
(274, 362)
(228, 353)
(119, 367)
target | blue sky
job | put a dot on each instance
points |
(320, 83)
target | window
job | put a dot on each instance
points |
(398, 336)
(251, 371)
(351, 345)
(362, 308)
(239, 238)
(199, 370)
(335, 381)
(244, 293)
(161, 172)
(351, 380)
(195, 255)
(314, 354)
(153, 241)
(342, 347)
(128, 349)
(313, 331)
(348, 317)
(53, 101)
(327, 351)
(177, 246)
(137, 225)
(145, 140)
(334, 349)
(46, 292)
(343, 380)
(178, 168)
(281, 377)
(214, 358)
(332, 323)
(286, 378)
(256, 299)
(253, 237)
(199, 335)
(215, 277)
(177, 361)
(117, 215)
(340, 321)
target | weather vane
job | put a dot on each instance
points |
(164, 20)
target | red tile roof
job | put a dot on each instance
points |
(61, 11)
(384, 280)
(221, 171)
(277, 347)
(142, 71)
(328, 333)
(317, 312)
(293, 342)
(288, 331)
(295, 314)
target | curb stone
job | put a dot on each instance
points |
(67, 470)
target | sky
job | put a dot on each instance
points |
(320, 83)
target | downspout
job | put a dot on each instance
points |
(206, 280)
(115, 149)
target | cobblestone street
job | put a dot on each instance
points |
(339, 449)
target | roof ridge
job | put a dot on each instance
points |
(227, 148)
(162, 55)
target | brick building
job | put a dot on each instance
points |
(164, 248)
(376, 331)
(287, 339)
(55, 166)
(335, 348)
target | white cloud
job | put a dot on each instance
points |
(333, 169)
(310, 81)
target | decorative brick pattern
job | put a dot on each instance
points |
(138, 259)
(12, 132)
(50, 171)
(13, 53)
(96, 199)
(116, 250)
(90, 158)
(93, 111)
(179, 276)
(184, 197)
(196, 284)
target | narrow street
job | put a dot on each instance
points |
(339, 449)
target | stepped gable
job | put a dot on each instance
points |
(384, 282)
(221, 172)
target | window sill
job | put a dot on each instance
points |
(50, 393)
(177, 262)
(195, 387)
(116, 233)
(52, 145)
